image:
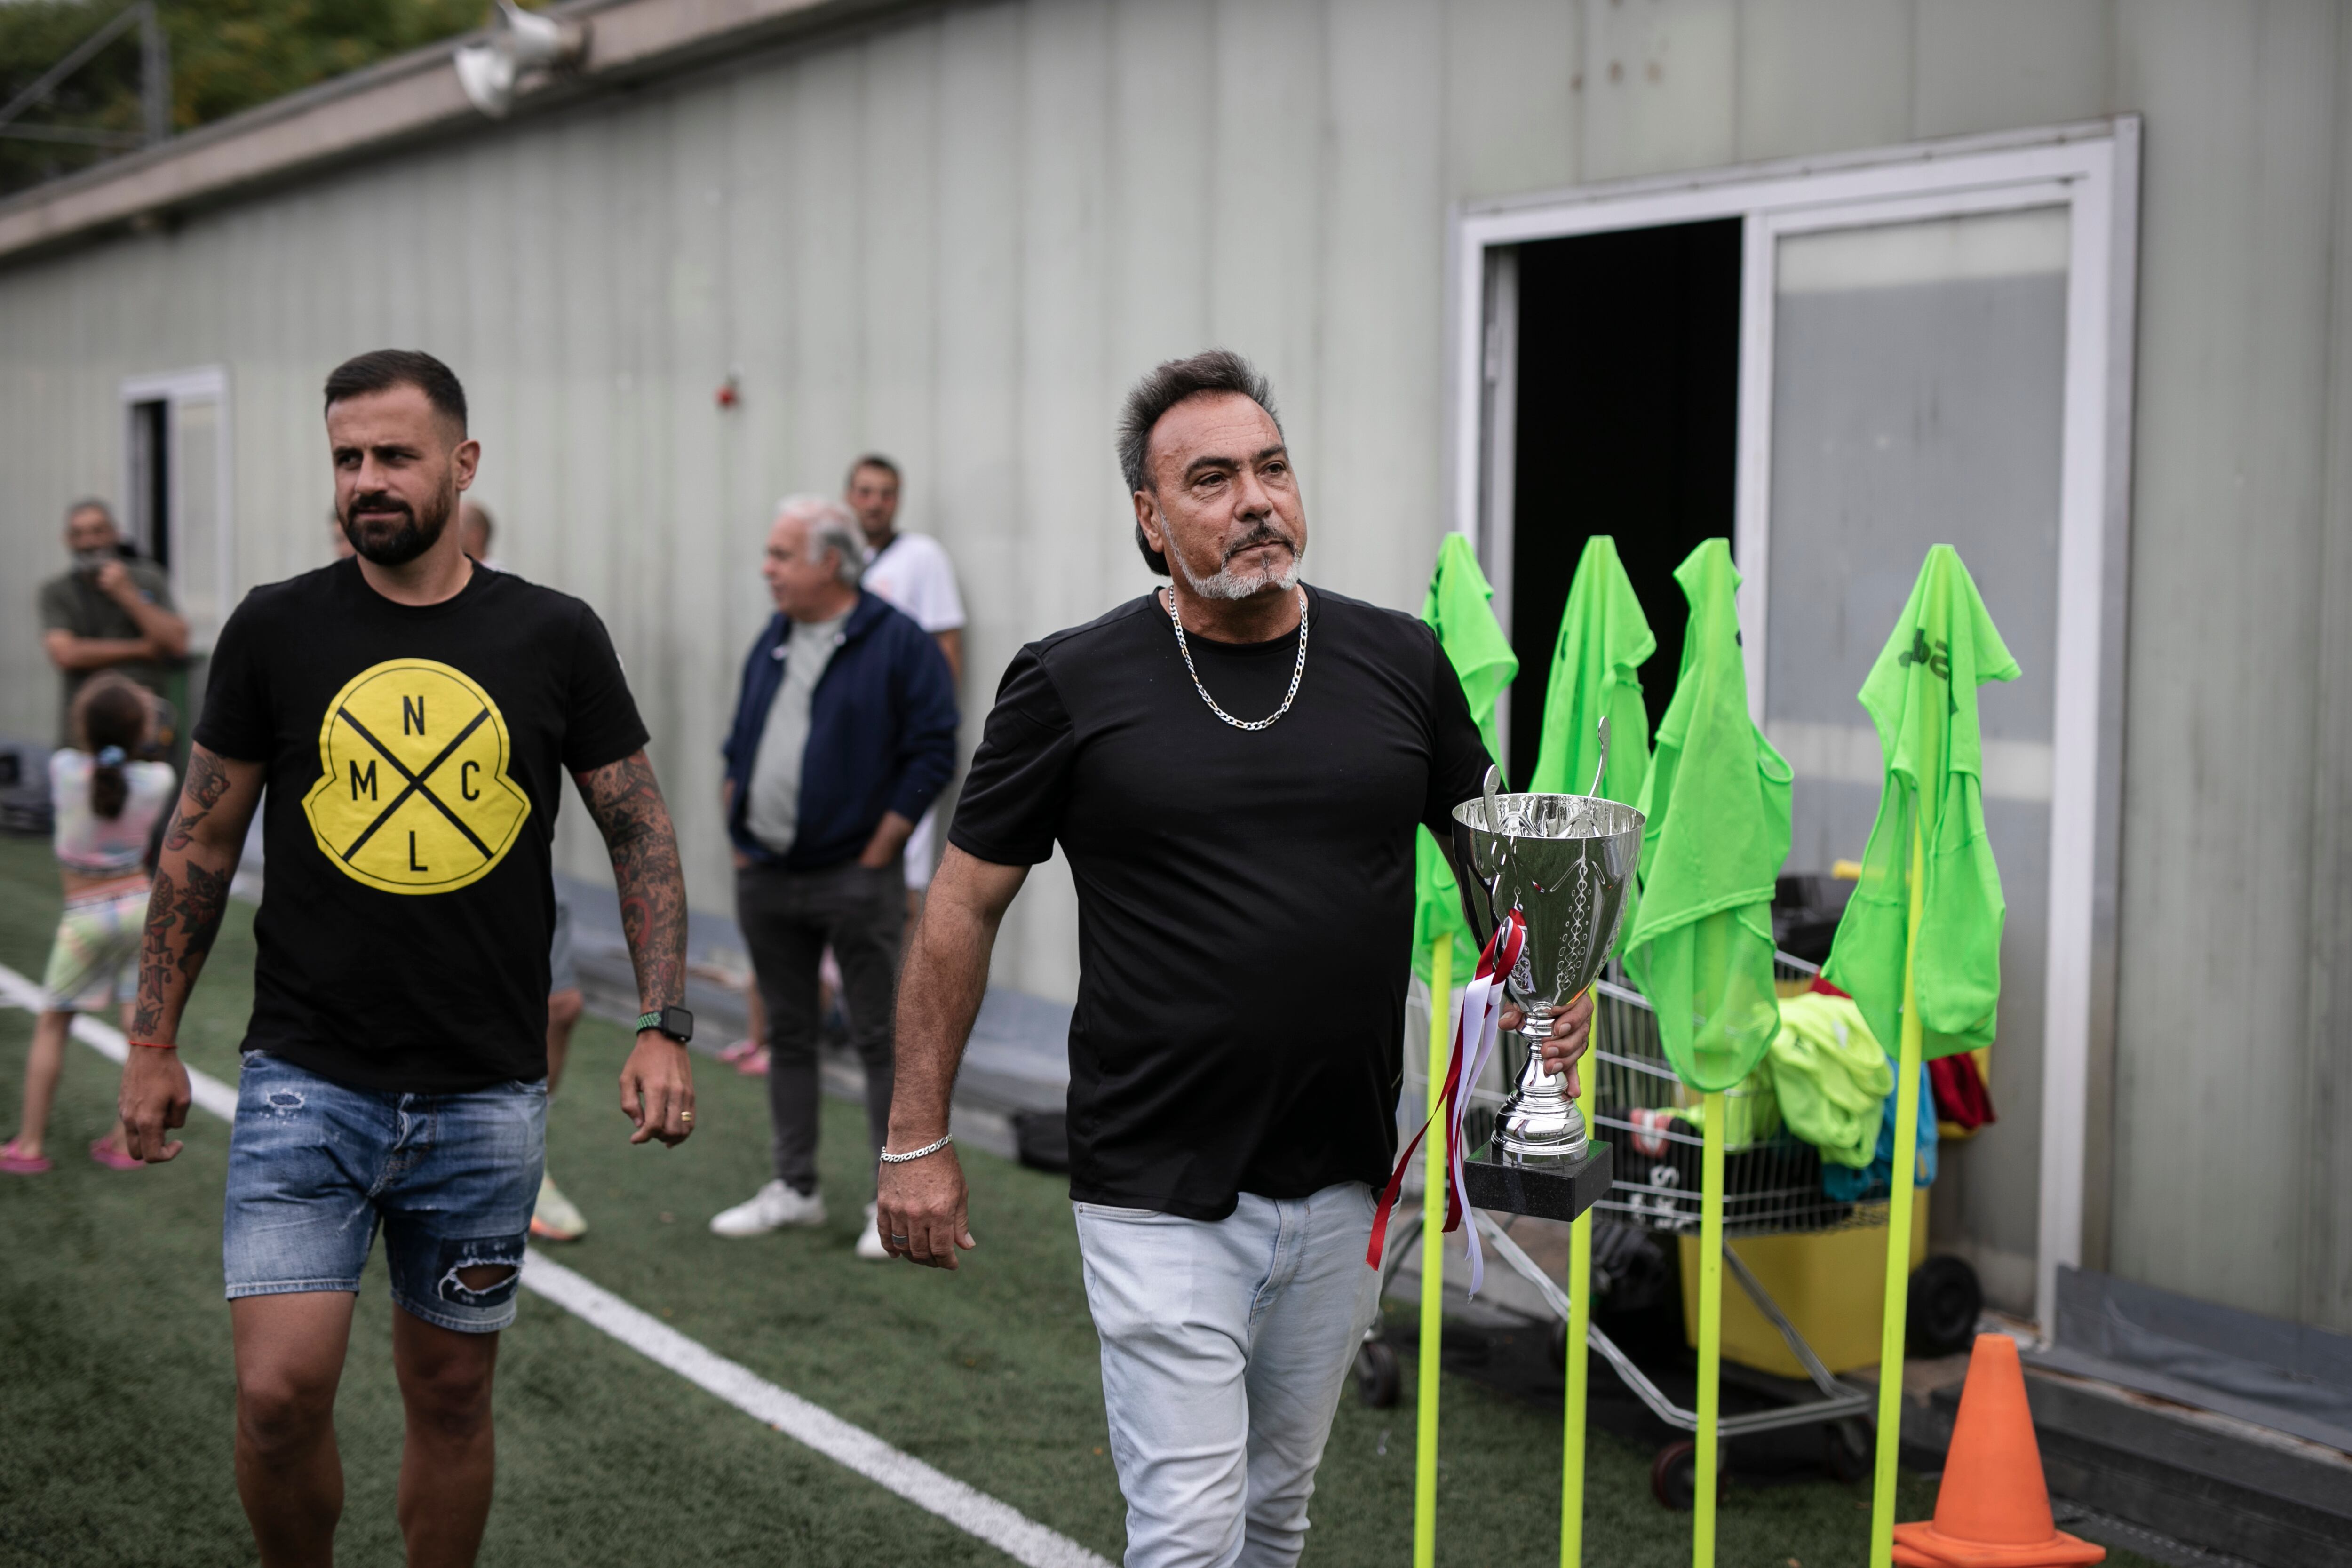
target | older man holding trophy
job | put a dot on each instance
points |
(1234, 767)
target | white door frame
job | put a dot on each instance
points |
(2094, 171)
(203, 383)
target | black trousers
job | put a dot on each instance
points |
(789, 918)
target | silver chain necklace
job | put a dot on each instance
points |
(1296, 671)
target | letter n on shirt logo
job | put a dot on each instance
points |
(412, 794)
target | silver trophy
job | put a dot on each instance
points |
(1564, 862)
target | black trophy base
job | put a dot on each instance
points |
(1548, 1192)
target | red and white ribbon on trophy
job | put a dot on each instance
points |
(1477, 1008)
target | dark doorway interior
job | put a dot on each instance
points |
(1628, 425)
(151, 480)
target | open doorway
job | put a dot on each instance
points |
(176, 489)
(1627, 423)
(148, 498)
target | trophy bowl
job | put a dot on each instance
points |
(1565, 862)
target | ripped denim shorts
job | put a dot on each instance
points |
(315, 1167)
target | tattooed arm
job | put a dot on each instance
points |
(656, 1083)
(200, 853)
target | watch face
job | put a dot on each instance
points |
(677, 1021)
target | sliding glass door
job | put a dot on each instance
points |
(1917, 396)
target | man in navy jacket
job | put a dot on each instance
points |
(843, 734)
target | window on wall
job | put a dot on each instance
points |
(175, 487)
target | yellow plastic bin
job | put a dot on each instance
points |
(1830, 1284)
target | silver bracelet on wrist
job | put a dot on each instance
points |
(890, 1159)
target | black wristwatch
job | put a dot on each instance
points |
(675, 1021)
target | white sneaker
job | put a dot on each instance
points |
(773, 1207)
(869, 1240)
(556, 1218)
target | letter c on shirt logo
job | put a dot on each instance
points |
(412, 794)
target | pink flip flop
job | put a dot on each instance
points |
(16, 1164)
(115, 1159)
(739, 1050)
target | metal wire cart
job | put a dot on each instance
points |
(1772, 1186)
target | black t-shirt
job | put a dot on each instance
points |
(415, 761)
(74, 603)
(1245, 898)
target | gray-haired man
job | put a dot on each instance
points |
(843, 733)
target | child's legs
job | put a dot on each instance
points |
(93, 961)
(42, 1063)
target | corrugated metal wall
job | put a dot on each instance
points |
(957, 238)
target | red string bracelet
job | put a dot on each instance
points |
(155, 1046)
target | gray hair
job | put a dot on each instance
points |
(830, 527)
(91, 503)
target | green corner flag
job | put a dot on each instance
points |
(1596, 662)
(1718, 800)
(1922, 695)
(1458, 609)
(1604, 640)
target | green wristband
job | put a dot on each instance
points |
(675, 1021)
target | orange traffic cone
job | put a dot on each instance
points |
(1993, 1508)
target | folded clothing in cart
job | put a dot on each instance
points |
(1848, 1185)
(1831, 1078)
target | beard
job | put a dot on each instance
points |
(1248, 581)
(395, 543)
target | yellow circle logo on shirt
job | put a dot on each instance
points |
(412, 795)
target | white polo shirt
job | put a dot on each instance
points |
(912, 573)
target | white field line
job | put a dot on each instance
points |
(976, 1513)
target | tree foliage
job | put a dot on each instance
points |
(226, 57)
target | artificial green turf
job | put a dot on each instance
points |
(114, 1357)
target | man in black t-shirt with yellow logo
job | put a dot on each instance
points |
(404, 720)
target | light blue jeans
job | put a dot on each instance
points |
(315, 1168)
(1225, 1346)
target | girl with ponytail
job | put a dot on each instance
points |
(107, 805)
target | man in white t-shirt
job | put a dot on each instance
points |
(911, 571)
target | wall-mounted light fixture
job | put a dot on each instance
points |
(521, 42)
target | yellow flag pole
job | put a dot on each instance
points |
(1710, 1328)
(1432, 1261)
(1898, 1226)
(1579, 1323)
